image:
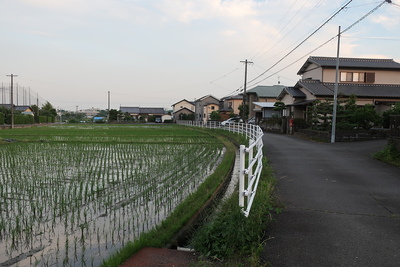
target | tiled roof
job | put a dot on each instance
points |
(130, 110)
(266, 91)
(359, 63)
(234, 97)
(265, 104)
(360, 90)
(21, 108)
(139, 110)
(152, 110)
(190, 102)
(316, 87)
(205, 97)
(294, 92)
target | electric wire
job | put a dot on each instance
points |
(305, 17)
(302, 42)
(345, 30)
(268, 41)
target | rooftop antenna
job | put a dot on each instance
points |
(279, 82)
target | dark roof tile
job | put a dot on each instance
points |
(360, 90)
(359, 63)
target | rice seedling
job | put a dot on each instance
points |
(85, 192)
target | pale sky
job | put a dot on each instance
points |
(154, 53)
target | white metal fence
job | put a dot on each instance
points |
(250, 169)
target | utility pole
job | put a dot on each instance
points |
(244, 115)
(333, 132)
(108, 113)
(17, 95)
(12, 99)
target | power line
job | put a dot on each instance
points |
(345, 30)
(302, 42)
(305, 17)
(224, 75)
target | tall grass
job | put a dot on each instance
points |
(229, 238)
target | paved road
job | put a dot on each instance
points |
(342, 206)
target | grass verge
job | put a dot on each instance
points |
(389, 154)
(231, 239)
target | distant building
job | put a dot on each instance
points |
(182, 109)
(91, 112)
(24, 110)
(204, 106)
(27, 110)
(372, 81)
(137, 112)
(260, 94)
(230, 104)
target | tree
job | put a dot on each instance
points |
(321, 114)
(278, 106)
(73, 117)
(6, 114)
(103, 113)
(48, 110)
(35, 110)
(114, 114)
(366, 117)
(394, 110)
(349, 115)
(243, 111)
(215, 116)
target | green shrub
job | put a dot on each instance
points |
(23, 119)
(1, 118)
(46, 119)
(389, 154)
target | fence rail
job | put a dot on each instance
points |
(250, 170)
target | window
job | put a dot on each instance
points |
(357, 77)
(212, 107)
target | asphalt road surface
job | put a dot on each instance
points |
(342, 206)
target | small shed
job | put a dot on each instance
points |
(265, 109)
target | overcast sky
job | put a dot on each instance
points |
(153, 53)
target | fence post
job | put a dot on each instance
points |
(242, 158)
(250, 170)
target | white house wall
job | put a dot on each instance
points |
(183, 104)
(313, 72)
(381, 77)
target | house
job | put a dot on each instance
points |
(372, 81)
(138, 112)
(27, 110)
(204, 106)
(24, 110)
(267, 109)
(183, 109)
(230, 104)
(259, 94)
